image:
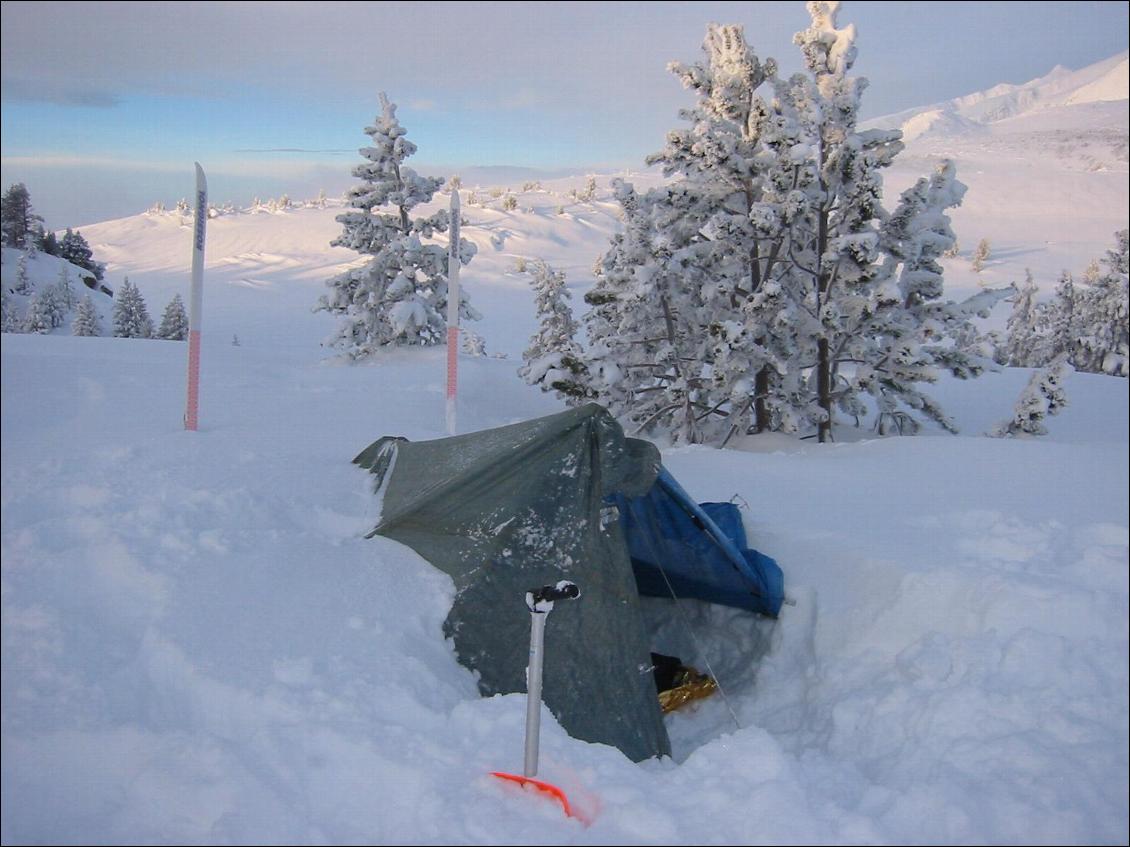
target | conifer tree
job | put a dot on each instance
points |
(63, 290)
(74, 248)
(400, 296)
(677, 332)
(9, 319)
(765, 287)
(1103, 323)
(130, 315)
(981, 254)
(1042, 397)
(18, 221)
(23, 279)
(86, 320)
(1024, 344)
(553, 358)
(39, 311)
(53, 306)
(174, 321)
(1062, 320)
(47, 242)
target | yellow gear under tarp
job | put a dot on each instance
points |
(690, 685)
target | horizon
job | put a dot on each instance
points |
(148, 100)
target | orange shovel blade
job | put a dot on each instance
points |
(544, 787)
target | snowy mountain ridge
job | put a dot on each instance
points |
(1104, 82)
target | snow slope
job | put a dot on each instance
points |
(1103, 82)
(43, 272)
(199, 646)
(1046, 164)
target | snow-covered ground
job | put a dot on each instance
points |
(199, 646)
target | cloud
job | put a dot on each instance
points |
(108, 162)
(57, 94)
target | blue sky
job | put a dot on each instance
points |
(107, 105)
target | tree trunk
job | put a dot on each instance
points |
(760, 397)
(824, 389)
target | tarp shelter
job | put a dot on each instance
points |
(565, 497)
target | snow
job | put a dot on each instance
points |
(1047, 168)
(200, 646)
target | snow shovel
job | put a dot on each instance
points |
(540, 603)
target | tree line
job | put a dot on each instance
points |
(765, 287)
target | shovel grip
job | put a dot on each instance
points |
(563, 590)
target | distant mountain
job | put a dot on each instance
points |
(1099, 92)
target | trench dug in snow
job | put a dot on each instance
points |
(726, 643)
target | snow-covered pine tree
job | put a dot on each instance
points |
(676, 340)
(86, 320)
(9, 318)
(39, 313)
(910, 334)
(1042, 397)
(1060, 320)
(52, 306)
(760, 289)
(872, 280)
(553, 357)
(1025, 346)
(64, 291)
(75, 249)
(174, 321)
(23, 279)
(18, 221)
(1103, 322)
(130, 315)
(400, 296)
(980, 255)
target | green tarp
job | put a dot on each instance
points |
(507, 510)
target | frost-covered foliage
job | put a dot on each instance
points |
(23, 281)
(131, 316)
(473, 343)
(18, 221)
(1088, 323)
(74, 248)
(1042, 397)
(553, 357)
(174, 321)
(981, 255)
(9, 317)
(1024, 344)
(1104, 339)
(400, 296)
(40, 313)
(64, 291)
(86, 320)
(766, 287)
